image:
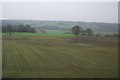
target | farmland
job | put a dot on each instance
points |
(59, 56)
(49, 33)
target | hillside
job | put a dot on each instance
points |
(105, 28)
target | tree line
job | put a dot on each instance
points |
(77, 30)
(19, 28)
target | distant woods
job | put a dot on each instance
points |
(77, 30)
(20, 28)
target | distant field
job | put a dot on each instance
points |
(49, 33)
(64, 57)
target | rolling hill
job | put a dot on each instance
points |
(103, 28)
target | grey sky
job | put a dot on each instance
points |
(67, 11)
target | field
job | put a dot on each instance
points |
(49, 33)
(59, 56)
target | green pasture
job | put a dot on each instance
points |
(49, 33)
(46, 56)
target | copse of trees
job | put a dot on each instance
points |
(78, 30)
(20, 28)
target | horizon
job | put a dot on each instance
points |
(59, 20)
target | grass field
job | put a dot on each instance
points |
(61, 57)
(49, 33)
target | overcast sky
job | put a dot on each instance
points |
(62, 11)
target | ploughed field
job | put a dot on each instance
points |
(61, 57)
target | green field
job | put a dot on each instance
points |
(29, 56)
(49, 33)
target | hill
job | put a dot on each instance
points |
(103, 28)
